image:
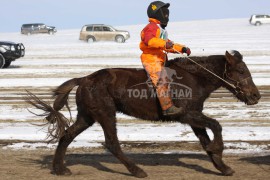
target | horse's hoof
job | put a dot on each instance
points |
(61, 171)
(228, 172)
(138, 172)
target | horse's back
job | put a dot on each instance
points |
(129, 90)
(117, 77)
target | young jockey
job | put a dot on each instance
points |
(154, 45)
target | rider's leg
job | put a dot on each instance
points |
(157, 73)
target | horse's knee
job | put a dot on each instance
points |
(215, 148)
(215, 126)
(218, 127)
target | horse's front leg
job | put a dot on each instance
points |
(216, 158)
(198, 120)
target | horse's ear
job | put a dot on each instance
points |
(230, 59)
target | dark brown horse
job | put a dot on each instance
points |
(100, 95)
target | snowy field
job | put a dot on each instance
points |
(51, 60)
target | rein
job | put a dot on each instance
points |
(235, 87)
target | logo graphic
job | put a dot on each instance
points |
(169, 79)
(154, 7)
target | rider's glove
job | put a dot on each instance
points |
(186, 50)
(169, 45)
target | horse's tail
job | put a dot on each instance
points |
(57, 122)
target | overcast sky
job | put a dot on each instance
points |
(73, 14)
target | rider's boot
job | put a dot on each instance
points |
(166, 103)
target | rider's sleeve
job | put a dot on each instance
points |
(150, 37)
(177, 47)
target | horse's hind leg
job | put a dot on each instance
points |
(112, 143)
(82, 123)
(215, 158)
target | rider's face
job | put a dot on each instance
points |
(166, 13)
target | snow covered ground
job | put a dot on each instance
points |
(51, 60)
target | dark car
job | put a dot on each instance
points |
(35, 28)
(9, 51)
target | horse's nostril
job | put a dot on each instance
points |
(255, 95)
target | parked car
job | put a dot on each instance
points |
(259, 19)
(35, 28)
(101, 32)
(9, 51)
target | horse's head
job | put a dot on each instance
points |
(237, 73)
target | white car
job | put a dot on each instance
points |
(259, 19)
(101, 32)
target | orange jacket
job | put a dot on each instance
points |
(153, 41)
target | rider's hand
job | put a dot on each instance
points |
(186, 50)
(169, 45)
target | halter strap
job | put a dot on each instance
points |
(237, 86)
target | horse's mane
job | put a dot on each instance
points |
(184, 61)
(211, 62)
(214, 63)
(212, 59)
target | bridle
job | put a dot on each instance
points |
(235, 85)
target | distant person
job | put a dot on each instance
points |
(154, 45)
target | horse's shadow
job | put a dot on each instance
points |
(96, 160)
(259, 160)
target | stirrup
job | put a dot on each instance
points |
(173, 110)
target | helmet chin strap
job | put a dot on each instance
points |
(163, 25)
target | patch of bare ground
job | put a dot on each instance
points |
(96, 163)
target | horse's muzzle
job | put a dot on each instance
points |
(253, 98)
